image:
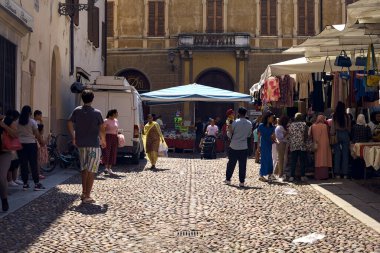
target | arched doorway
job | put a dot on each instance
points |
(139, 81)
(219, 79)
(55, 83)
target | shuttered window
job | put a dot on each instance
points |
(110, 18)
(93, 26)
(76, 14)
(156, 19)
(306, 17)
(268, 10)
(214, 16)
(7, 75)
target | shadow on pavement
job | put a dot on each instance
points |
(246, 187)
(90, 209)
(24, 226)
(353, 193)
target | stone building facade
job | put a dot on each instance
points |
(37, 63)
(222, 43)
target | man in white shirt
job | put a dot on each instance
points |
(212, 129)
(238, 132)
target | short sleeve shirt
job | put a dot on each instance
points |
(297, 136)
(26, 132)
(87, 121)
(112, 126)
(212, 130)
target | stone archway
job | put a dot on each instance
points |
(140, 81)
(217, 78)
(54, 86)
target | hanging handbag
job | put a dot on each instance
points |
(345, 75)
(373, 75)
(327, 77)
(120, 140)
(342, 60)
(9, 143)
(361, 60)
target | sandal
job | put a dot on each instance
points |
(88, 200)
(82, 196)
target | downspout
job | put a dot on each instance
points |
(105, 38)
(71, 45)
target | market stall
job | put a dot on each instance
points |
(182, 137)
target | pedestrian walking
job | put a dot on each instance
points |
(266, 138)
(341, 128)
(86, 128)
(238, 132)
(274, 145)
(322, 151)
(42, 149)
(212, 129)
(281, 146)
(109, 156)
(29, 136)
(10, 127)
(198, 133)
(298, 135)
(152, 137)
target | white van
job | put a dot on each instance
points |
(112, 92)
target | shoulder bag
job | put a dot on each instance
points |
(9, 143)
(361, 60)
(373, 74)
(343, 60)
(327, 77)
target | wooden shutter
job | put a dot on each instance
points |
(151, 19)
(310, 14)
(301, 17)
(210, 16)
(95, 26)
(104, 40)
(110, 18)
(89, 25)
(273, 18)
(264, 17)
(219, 16)
(160, 18)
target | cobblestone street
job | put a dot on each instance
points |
(155, 211)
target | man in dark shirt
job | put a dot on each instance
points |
(198, 133)
(88, 133)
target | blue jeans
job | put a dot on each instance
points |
(341, 153)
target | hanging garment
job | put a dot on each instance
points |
(305, 82)
(271, 92)
(359, 86)
(318, 102)
(286, 84)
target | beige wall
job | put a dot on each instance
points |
(51, 34)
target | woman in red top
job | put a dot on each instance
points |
(110, 152)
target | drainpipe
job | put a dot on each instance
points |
(71, 45)
(321, 15)
(105, 38)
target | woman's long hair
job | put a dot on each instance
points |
(283, 121)
(266, 117)
(340, 114)
(111, 113)
(26, 111)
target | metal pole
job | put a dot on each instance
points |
(71, 45)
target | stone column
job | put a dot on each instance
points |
(146, 21)
(204, 18)
(241, 68)
(343, 2)
(295, 21)
(167, 32)
(187, 76)
(225, 16)
(279, 23)
(258, 23)
(317, 18)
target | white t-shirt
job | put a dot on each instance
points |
(25, 133)
(212, 130)
(159, 121)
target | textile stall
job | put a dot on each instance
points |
(183, 137)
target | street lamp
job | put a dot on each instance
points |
(69, 9)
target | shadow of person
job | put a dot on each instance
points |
(157, 170)
(246, 187)
(90, 209)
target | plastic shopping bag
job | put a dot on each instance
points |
(163, 150)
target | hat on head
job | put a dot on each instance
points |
(229, 112)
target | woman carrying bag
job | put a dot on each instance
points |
(152, 138)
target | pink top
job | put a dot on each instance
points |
(112, 126)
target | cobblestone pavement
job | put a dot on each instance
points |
(145, 211)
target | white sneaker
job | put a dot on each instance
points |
(19, 182)
(12, 183)
(280, 179)
(272, 177)
(111, 172)
(304, 179)
(227, 182)
(291, 179)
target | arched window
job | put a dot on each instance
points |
(215, 16)
(306, 15)
(269, 17)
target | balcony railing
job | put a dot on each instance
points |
(214, 40)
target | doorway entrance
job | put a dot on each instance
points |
(218, 79)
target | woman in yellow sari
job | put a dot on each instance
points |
(152, 136)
